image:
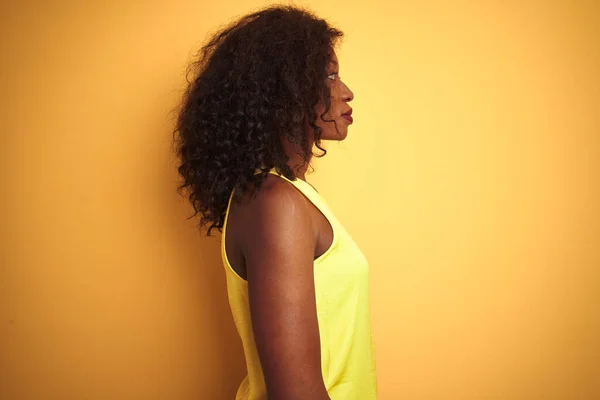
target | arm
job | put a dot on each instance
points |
(279, 252)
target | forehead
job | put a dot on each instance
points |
(334, 60)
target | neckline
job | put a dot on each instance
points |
(304, 182)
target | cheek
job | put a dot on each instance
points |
(319, 109)
(332, 113)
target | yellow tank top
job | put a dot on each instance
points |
(342, 296)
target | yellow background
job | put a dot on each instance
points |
(470, 179)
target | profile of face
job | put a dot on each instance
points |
(335, 122)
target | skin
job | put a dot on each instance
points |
(272, 241)
(340, 96)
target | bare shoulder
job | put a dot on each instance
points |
(278, 214)
(276, 198)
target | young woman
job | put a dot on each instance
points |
(265, 93)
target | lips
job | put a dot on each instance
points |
(348, 116)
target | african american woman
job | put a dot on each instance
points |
(265, 93)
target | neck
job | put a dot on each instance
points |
(295, 160)
(299, 167)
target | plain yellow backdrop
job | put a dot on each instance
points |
(470, 179)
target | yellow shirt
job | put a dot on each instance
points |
(342, 296)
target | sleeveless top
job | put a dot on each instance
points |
(341, 276)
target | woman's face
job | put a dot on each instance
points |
(335, 122)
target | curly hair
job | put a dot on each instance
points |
(255, 82)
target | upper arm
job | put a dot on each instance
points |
(279, 252)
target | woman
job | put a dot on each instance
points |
(266, 91)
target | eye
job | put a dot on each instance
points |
(332, 76)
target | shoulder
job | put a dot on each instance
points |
(278, 196)
(277, 212)
(278, 201)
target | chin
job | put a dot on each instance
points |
(335, 136)
(342, 135)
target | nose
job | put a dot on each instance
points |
(347, 94)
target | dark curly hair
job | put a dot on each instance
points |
(254, 83)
